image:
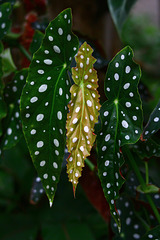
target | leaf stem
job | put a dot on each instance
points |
(24, 51)
(141, 180)
(147, 173)
(90, 164)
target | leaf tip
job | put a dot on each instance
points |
(50, 203)
(74, 192)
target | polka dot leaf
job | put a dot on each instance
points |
(153, 124)
(83, 113)
(12, 123)
(37, 191)
(153, 234)
(132, 227)
(44, 100)
(5, 22)
(121, 119)
(147, 149)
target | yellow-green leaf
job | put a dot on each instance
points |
(83, 113)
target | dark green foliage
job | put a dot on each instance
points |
(44, 100)
(153, 124)
(121, 122)
(5, 22)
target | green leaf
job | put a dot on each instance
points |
(121, 119)
(119, 11)
(5, 22)
(153, 124)
(147, 149)
(12, 124)
(37, 191)
(131, 190)
(2, 103)
(152, 234)
(36, 42)
(132, 227)
(44, 100)
(8, 65)
(83, 113)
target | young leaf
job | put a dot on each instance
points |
(153, 124)
(12, 123)
(121, 122)
(37, 191)
(5, 22)
(44, 100)
(83, 113)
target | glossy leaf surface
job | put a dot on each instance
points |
(83, 113)
(12, 124)
(119, 11)
(121, 119)
(5, 22)
(44, 100)
(153, 124)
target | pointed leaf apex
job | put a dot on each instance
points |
(74, 191)
(50, 203)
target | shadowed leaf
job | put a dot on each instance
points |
(12, 124)
(5, 22)
(119, 11)
(152, 234)
(153, 124)
(83, 113)
(44, 100)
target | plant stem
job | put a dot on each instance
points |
(141, 180)
(147, 174)
(90, 164)
(24, 51)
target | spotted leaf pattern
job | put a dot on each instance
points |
(12, 124)
(83, 113)
(132, 227)
(153, 234)
(44, 100)
(37, 191)
(153, 124)
(147, 149)
(121, 119)
(5, 22)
